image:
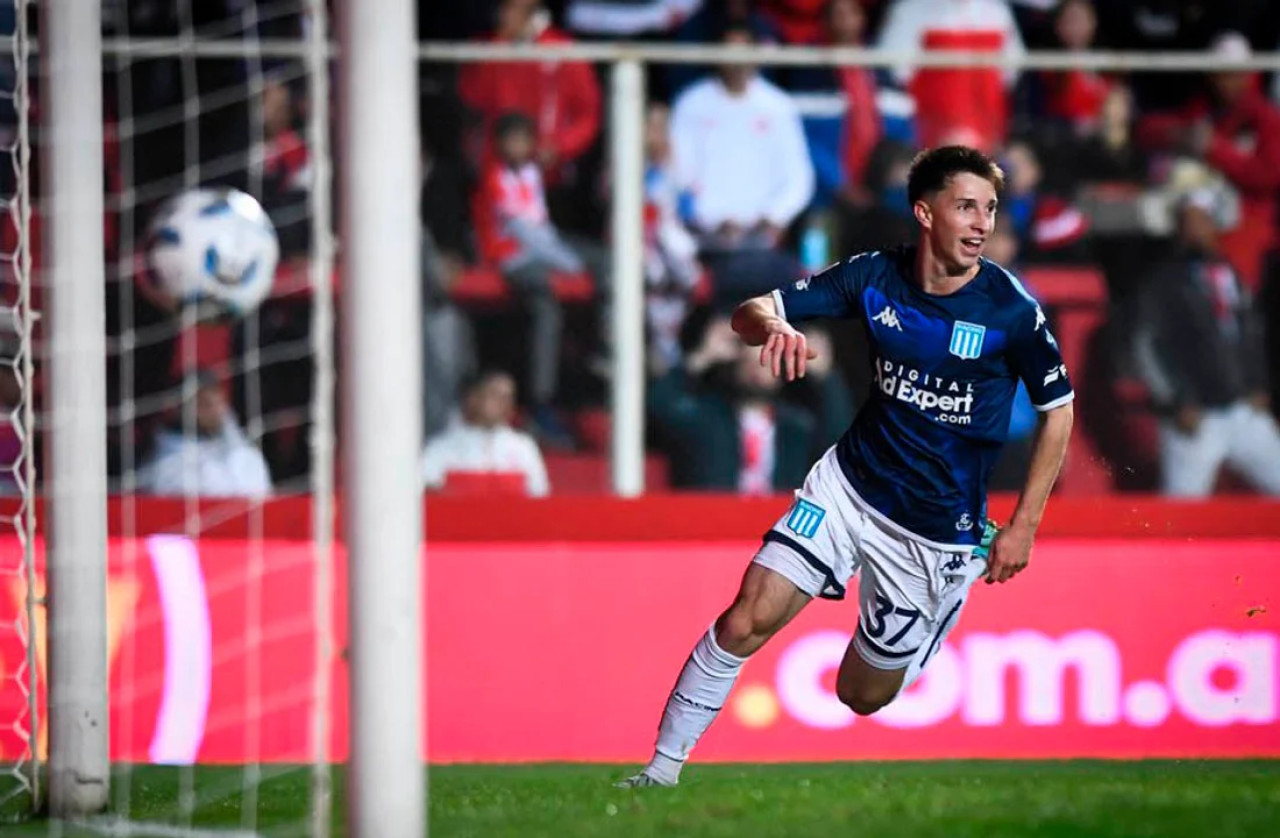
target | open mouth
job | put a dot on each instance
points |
(971, 246)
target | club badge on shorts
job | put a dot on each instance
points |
(805, 518)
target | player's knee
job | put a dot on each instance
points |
(861, 699)
(746, 623)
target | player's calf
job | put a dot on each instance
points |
(766, 602)
(863, 688)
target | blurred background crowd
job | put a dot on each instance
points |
(1140, 209)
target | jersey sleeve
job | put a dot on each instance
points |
(1035, 358)
(832, 293)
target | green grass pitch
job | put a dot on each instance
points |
(1161, 799)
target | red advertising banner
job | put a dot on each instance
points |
(566, 650)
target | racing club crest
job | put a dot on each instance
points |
(966, 339)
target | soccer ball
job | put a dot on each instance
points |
(214, 250)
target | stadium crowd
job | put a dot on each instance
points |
(1148, 198)
(1164, 185)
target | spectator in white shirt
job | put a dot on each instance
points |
(482, 441)
(217, 460)
(740, 154)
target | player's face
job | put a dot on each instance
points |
(958, 220)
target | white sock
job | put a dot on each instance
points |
(700, 692)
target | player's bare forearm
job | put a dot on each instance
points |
(1052, 434)
(782, 348)
(1011, 550)
(752, 319)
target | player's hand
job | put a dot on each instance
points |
(785, 351)
(1010, 553)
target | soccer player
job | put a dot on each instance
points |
(901, 497)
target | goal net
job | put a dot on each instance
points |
(19, 588)
(220, 598)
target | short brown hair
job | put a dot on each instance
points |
(932, 168)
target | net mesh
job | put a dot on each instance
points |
(19, 674)
(241, 122)
(20, 727)
(217, 636)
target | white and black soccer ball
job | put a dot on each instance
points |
(215, 250)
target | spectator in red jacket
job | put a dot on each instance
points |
(562, 98)
(286, 169)
(515, 234)
(838, 109)
(847, 22)
(1076, 97)
(1233, 128)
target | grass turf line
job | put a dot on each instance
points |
(1163, 799)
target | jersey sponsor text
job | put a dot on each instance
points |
(946, 401)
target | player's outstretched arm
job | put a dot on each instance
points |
(784, 349)
(1012, 548)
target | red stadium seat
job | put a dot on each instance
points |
(588, 474)
(485, 286)
(459, 483)
(593, 427)
(1078, 298)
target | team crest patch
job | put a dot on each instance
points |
(966, 339)
(805, 518)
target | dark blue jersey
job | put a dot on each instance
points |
(946, 370)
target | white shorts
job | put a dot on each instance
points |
(911, 590)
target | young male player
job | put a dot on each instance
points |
(902, 496)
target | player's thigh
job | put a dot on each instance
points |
(1255, 447)
(1189, 463)
(813, 543)
(898, 614)
(766, 601)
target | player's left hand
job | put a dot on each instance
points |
(1010, 553)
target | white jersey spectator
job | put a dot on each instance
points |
(740, 150)
(911, 25)
(482, 440)
(965, 105)
(217, 460)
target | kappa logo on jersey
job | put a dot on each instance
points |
(1039, 319)
(966, 340)
(954, 565)
(805, 518)
(1060, 371)
(802, 284)
(889, 318)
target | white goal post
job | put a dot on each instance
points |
(76, 482)
(381, 409)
